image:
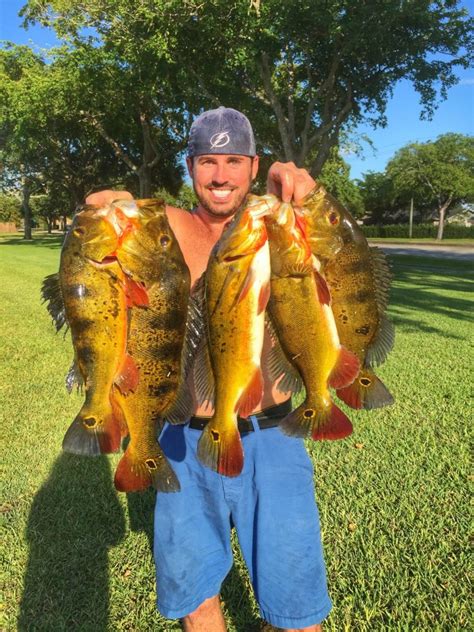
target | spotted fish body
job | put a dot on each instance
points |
(95, 306)
(300, 312)
(359, 278)
(236, 293)
(151, 255)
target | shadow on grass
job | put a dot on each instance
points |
(75, 518)
(423, 290)
(53, 242)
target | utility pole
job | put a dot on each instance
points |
(410, 225)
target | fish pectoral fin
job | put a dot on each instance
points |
(263, 297)
(136, 294)
(135, 474)
(322, 288)
(252, 395)
(221, 451)
(127, 376)
(345, 370)
(367, 392)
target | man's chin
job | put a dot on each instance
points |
(220, 210)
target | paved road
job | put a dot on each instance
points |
(461, 253)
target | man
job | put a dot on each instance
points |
(271, 503)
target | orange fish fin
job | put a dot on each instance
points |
(127, 376)
(136, 294)
(221, 451)
(246, 285)
(319, 423)
(345, 370)
(263, 297)
(119, 414)
(367, 391)
(322, 288)
(135, 474)
(335, 426)
(252, 395)
(91, 435)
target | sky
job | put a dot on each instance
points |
(455, 114)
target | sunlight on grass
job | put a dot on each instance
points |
(393, 497)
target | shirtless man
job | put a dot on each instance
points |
(271, 503)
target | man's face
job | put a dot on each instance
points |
(221, 182)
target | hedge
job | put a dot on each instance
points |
(451, 231)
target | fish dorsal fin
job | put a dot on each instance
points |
(382, 344)
(382, 277)
(52, 296)
(278, 365)
(74, 378)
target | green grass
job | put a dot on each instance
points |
(422, 240)
(393, 497)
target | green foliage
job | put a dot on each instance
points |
(301, 71)
(451, 231)
(10, 208)
(185, 198)
(335, 176)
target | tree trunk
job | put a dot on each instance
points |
(50, 225)
(25, 206)
(442, 215)
(144, 178)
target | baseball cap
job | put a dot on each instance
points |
(221, 131)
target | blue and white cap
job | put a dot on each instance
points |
(221, 131)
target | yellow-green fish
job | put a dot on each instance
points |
(359, 278)
(91, 295)
(302, 317)
(237, 285)
(152, 257)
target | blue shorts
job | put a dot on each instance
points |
(272, 506)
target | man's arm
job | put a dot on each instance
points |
(289, 182)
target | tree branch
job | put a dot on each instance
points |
(115, 146)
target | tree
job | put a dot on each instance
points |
(301, 71)
(335, 176)
(441, 172)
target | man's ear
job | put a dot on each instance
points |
(190, 165)
(255, 163)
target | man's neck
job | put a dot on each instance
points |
(213, 224)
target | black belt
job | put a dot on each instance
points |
(267, 418)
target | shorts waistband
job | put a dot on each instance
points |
(268, 418)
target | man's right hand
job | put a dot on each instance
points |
(102, 198)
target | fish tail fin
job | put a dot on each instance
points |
(135, 474)
(127, 376)
(335, 425)
(252, 394)
(345, 370)
(221, 451)
(367, 392)
(92, 434)
(319, 423)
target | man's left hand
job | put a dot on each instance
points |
(289, 182)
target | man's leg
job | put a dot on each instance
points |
(207, 617)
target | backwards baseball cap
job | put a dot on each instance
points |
(221, 131)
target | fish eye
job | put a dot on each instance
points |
(165, 240)
(333, 218)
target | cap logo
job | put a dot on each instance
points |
(221, 139)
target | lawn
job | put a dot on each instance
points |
(393, 497)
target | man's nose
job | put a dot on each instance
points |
(220, 175)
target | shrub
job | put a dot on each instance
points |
(451, 231)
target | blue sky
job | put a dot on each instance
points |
(456, 114)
